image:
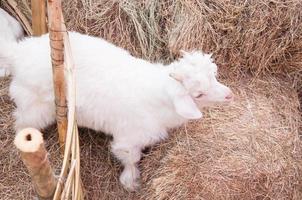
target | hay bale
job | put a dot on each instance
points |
(129, 24)
(261, 37)
(248, 150)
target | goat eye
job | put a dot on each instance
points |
(200, 95)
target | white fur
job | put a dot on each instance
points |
(25, 145)
(11, 30)
(131, 99)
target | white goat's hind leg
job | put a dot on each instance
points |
(129, 156)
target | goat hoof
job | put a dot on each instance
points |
(130, 180)
(132, 187)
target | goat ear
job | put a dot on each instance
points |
(186, 107)
(177, 76)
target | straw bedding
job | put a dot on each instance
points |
(247, 150)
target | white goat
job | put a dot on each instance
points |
(10, 29)
(131, 99)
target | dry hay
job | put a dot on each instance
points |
(247, 150)
(245, 36)
(129, 24)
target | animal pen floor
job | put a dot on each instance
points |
(247, 150)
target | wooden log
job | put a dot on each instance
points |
(38, 8)
(56, 29)
(34, 155)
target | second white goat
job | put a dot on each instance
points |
(10, 30)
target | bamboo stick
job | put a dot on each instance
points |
(70, 172)
(38, 8)
(34, 155)
(56, 36)
(72, 149)
(69, 181)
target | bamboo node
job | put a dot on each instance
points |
(57, 30)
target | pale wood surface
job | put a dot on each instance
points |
(56, 36)
(39, 25)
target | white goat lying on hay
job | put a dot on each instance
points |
(131, 99)
(10, 29)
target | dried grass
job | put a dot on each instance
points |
(245, 36)
(130, 24)
(247, 150)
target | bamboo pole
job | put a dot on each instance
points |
(70, 171)
(34, 155)
(38, 8)
(72, 148)
(56, 29)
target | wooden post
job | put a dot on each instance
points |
(34, 155)
(38, 8)
(56, 36)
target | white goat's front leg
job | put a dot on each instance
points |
(36, 116)
(129, 155)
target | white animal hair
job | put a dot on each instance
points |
(11, 30)
(131, 99)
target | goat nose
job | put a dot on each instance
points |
(229, 96)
